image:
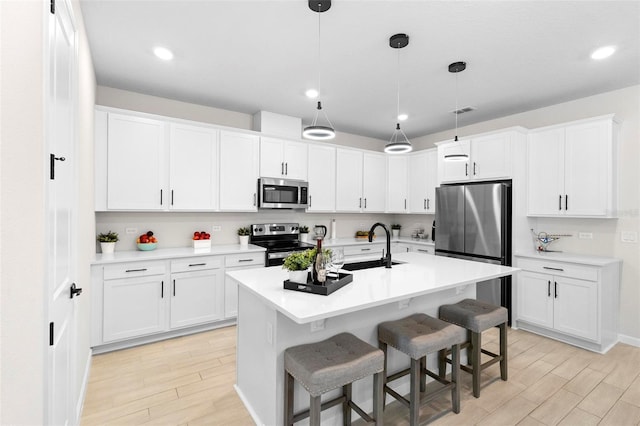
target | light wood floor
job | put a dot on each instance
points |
(189, 381)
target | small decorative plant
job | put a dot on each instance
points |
(299, 260)
(396, 226)
(244, 231)
(304, 229)
(108, 237)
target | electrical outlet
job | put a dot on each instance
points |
(317, 325)
(216, 228)
(629, 237)
(403, 304)
(131, 230)
(585, 235)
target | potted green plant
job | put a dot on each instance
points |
(243, 234)
(298, 263)
(108, 241)
(395, 230)
(304, 233)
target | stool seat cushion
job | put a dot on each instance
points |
(419, 334)
(474, 315)
(332, 363)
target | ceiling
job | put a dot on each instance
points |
(249, 56)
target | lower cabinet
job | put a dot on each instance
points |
(575, 303)
(406, 247)
(233, 263)
(197, 297)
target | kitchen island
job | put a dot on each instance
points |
(271, 319)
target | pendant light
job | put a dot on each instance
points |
(316, 131)
(457, 67)
(399, 143)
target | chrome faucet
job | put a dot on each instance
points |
(387, 257)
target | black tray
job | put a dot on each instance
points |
(331, 285)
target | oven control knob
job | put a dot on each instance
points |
(259, 229)
(294, 228)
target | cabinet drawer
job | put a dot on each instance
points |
(424, 249)
(364, 249)
(246, 259)
(133, 269)
(196, 263)
(560, 269)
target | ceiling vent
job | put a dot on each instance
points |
(463, 110)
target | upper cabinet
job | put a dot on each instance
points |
(397, 184)
(360, 181)
(322, 178)
(571, 169)
(283, 159)
(423, 179)
(239, 167)
(489, 157)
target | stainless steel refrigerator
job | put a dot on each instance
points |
(473, 222)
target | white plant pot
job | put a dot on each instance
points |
(298, 276)
(304, 237)
(244, 240)
(395, 233)
(107, 247)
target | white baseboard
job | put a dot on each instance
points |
(248, 406)
(633, 341)
(83, 391)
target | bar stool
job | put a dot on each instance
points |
(323, 366)
(416, 336)
(477, 316)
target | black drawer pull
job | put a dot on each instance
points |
(423, 250)
(136, 270)
(365, 249)
(553, 269)
(197, 264)
(245, 260)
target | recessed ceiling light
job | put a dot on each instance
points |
(163, 53)
(311, 93)
(603, 52)
(402, 117)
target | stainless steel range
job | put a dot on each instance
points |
(280, 240)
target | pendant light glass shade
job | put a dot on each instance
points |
(399, 143)
(318, 131)
(456, 68)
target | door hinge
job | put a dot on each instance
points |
(53, 6)
(51, 333)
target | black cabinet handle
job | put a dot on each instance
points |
(245, 260)
(566, 202)
(254, 198)
(549, 288)
(474, 168)
(286, 169)
(425, 204)
(174, 287)
(197, 264)
(365, 203)
(161, 197)
(162, 290)
(555, 289)
(281, 168)
(428, 202)
(136, 270)
(466, 169)
(172, 197)
(365, 249)
(553, 269)
(559, 202)
(405, 203)
(360, 202)
(309, 200)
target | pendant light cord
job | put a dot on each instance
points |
(456, 110)
(319, 62)
(398, 84)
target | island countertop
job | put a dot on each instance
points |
(419, 275)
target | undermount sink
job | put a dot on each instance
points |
(367, 264)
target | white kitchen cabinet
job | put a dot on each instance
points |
(239, 171)
(423, 179)
(136, 168)
(374, 180)
(571, 169)
(197, 291)
(406, 247)
(574, 303)
(193, 168)
(283, 159)
(234, 262)
(133, 302)
(348, 180)
(397, 184)
(322, 178)
(490, 156)
(373, 250)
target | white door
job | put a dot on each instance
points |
(418, 183)
(271, 161)
(295, 160)
(545, 183)
(322, 178)
(535, 298)
(61, 221)
(454, 171)
(348, 180)
(239, 167)
(576, 307)
(374, 181)
(197, 297)
(491, 157)
(397, 185)
(432, 180)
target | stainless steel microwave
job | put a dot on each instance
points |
(282, 193)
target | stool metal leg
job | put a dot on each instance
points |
(346, 410)
(476, 342)
(414, 395)
(442, 363)
(288, 399)
(503, 351)
(423, 376)
(314, 411)
(383, 347)
(455, 375)
(378, 400)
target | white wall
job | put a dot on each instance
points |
(22, 173)
(625, 103)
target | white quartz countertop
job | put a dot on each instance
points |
(583, 259)
(420, 275)
(172, 253)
